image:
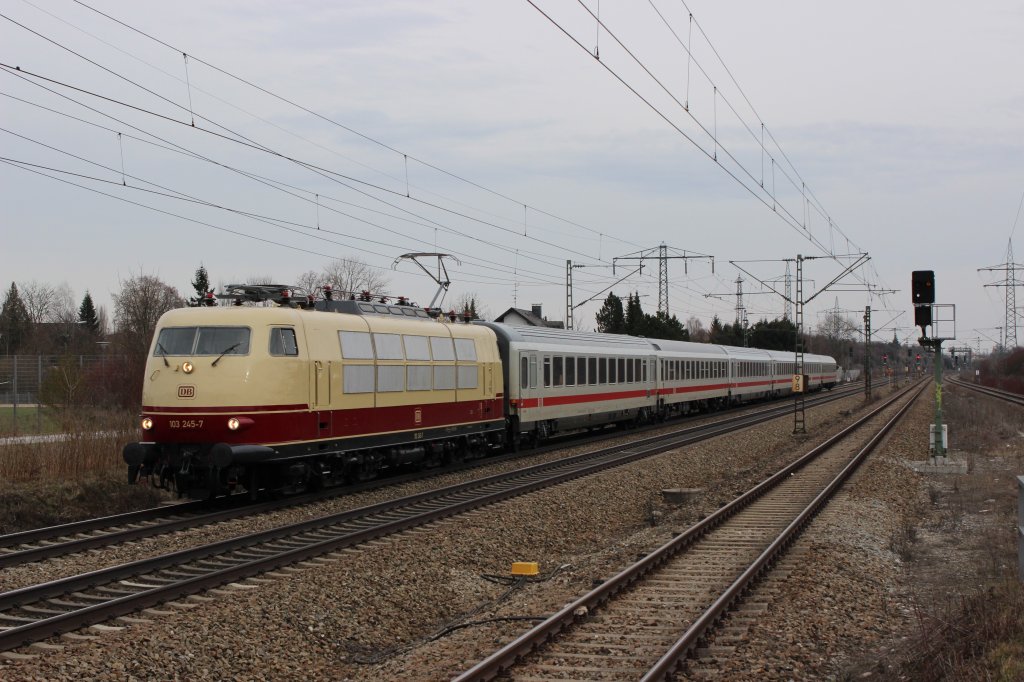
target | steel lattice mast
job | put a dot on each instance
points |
(1010, 283)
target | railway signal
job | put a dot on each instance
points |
(922, 284)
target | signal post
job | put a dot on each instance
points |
(926, 317)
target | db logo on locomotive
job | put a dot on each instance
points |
(186, 391)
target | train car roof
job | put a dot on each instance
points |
(229, 315)
(742, 353)
(567, 337)
(688, 348)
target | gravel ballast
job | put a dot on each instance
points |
(369, 612)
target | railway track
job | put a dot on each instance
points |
(37, 612)
(644, 622)
(54, 541)
(1000, 394)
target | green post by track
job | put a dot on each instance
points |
(939, 449)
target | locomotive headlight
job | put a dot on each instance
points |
(234, 424)
(147, 424)
(187, 367)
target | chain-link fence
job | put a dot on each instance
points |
(31, 383)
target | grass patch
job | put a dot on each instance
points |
(29, 420)
(973, 637)
(91, 445)
(80, 475)
(969, 607)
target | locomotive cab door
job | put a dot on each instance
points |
(322, 395)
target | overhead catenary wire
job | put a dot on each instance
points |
(349, 129)
(177, 195)
(196, 221)
(178, 148)
(321, 200)
(799, 225)
(326, 173)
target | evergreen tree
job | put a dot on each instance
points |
(661, 327)
(635, 321)
(715, 332)
(201, 283)
(610, 318)
(779, 334)
(87, 315)
(15, 324)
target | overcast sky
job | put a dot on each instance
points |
(898, 130)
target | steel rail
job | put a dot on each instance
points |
(1006, 396)
(420, 509)
(46, 543)
(687, 642)
(565, 618)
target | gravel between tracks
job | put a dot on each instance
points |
(368, 615)
(91, 560)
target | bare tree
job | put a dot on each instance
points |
(311, 280)
(696, 330)
(836, 327)
(138, 307)
(834, 332)
(47, 303)
(351, 275)
(103, 321)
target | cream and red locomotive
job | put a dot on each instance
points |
(297, 395)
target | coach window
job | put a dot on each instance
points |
(570, 371)
(604, 370)
(418, 377)
(559, 376)
(282, 341)
(416, 347)
(592, 371)
(390, 378)
(524, 372)
(444, 377)
(388, 347)
(630, 373)
(441, 347)
(612, 375)
(547, 371)
(581, 371)
(467, 376)
(465, 350)
(357, 379)
(356, 346)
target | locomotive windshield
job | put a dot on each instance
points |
(202, 341)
